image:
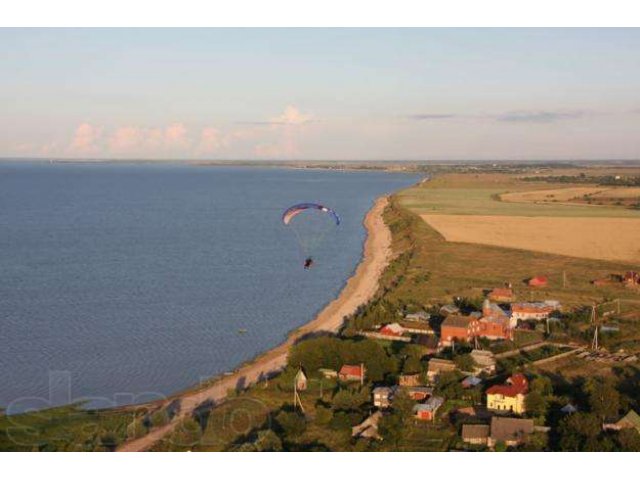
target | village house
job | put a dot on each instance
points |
(533, 310)
(475, 434)
(429, 344)
(510, 431)
(427, 411)
(630, 420)
(383, 396)
(328, 373)
(419, 393)
(409, 380)
(449, 309)
(368, 428)
(457, 328)
(485, 361)
(420, 316)
(471, 382)
(509, 397)
(495, 323)
(501, 295)
(417, 327)
(352, 373)
(392, 330)
(631, 279)
(438, 365)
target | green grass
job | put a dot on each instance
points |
(64, 429)
(429, 199)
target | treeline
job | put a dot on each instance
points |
(604, 180)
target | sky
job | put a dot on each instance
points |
(320, 94)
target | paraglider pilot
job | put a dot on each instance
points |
(308, 263)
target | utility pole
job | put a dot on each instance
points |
(564, 279)
(594, 343)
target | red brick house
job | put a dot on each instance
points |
(501, 295)
(457, 327)
(352, 373)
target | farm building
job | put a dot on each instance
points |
(510, 396)
(427, 411)
(538, 281)
(510, 431)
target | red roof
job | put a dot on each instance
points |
(516, 384)
(351, 370)
(538, 280)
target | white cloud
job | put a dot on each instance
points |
(85, 139)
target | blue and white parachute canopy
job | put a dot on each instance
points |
(294, 210)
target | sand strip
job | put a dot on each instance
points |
(360, 288)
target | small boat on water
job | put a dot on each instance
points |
(242, 330)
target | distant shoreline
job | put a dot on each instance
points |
(359, 289)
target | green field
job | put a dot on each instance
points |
(436, 197)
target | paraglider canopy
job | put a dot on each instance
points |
(301, 207)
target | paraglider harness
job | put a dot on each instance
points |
(308, 263)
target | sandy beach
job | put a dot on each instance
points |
(360, 288)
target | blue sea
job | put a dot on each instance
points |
(120, 283)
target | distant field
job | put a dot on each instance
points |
(439, 270)
(575, 195)
(485, 200)
(577, 237)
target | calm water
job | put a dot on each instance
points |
(127, 280)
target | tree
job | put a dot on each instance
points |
(403, 405)
(541, 385)
(465, 362)
(628, 440)
(350, 399)
(577, 429)
(392, 429)
(536, 405)
(291, 424)
(268, 441)
(449, 385)
(412, 365)
(323, 415)
(604, 399)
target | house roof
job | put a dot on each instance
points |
(510, 429)
(430, 405)
(630, 420)
(516, 385)
(475, 431)
(459, 321)
(351, 370)
(393, 328)
(531, 307)
(472, 380)
(569, 408)
(437, 364)
(501, 292)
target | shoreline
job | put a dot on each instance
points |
(359, 289)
